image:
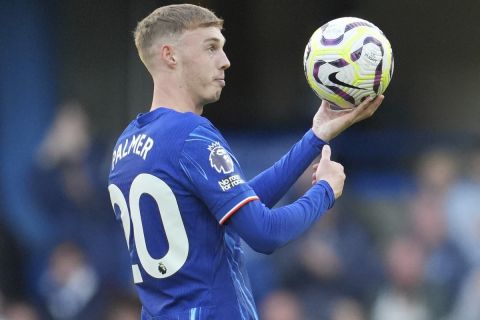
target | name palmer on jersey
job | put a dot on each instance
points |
(139, 144)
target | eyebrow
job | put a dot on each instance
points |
(213, 39)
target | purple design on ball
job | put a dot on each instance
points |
(378, 70)
(356, 54)
(316, 68)
(345, 96)
(340, 63)
(373, 40)
(309, 49)
(391, 68)
(378, 77)
(350, 26)
(331, 42)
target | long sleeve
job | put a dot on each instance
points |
(272, 184)
(266, 229)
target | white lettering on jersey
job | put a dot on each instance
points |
(230, 182)
(137, 145)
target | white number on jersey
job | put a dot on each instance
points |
(170, 216)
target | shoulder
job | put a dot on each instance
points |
(196, 121)
(190, 122)
(196, 127)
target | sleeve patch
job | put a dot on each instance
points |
(220, 159)
(230, 182)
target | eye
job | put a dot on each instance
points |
(212, 48)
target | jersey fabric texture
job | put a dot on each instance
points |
(174, 184)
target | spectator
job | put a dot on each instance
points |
(69, 180)
(348, 309)
(403, 297)
(445, 266)
(463, 215)
(70, 286)
(464, 226)
(281, 305)
(335, 259)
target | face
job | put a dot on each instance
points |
(202, 64)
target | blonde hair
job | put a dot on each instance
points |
(171, 21)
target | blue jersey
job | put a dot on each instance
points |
(173, 183)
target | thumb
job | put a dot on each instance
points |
(326, 152)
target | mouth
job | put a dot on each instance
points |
(221, 82)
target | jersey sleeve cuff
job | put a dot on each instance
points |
(330, 194)
(313, 140)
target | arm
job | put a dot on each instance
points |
(216, 178)
(274, 182)
(265, 230)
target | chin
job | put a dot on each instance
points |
(214, 98)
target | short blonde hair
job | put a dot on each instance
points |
(171, 21)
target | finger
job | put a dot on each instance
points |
(363, 105)
(367, 108)
(325, 104)
(326, 152)
(372, 107)
(375, 103)
(324, 107)
(338, 166)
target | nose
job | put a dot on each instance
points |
(225, 63)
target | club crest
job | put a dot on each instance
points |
(219, 158)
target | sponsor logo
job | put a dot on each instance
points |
(333, 78)
(219, 158)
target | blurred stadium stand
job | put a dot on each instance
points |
(54, 52)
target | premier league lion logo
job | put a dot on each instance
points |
(219, 158)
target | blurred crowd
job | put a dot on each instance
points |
(409, 255)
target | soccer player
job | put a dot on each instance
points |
(181, 195)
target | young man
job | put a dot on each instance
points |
(180, 193)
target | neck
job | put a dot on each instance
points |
(169, 94)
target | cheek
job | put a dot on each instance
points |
(198, 76)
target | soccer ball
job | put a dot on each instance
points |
(347, 60)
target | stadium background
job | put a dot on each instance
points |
(62, 61)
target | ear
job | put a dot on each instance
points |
(167, 55)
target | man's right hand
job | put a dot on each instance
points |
(330, 171)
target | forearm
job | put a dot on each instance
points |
(272, 184)
(266, 229)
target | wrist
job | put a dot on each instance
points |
(315, 140)
(322, 135)
(329, 192)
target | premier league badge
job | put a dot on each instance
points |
(219, 158)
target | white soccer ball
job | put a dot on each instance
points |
(347, 60)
